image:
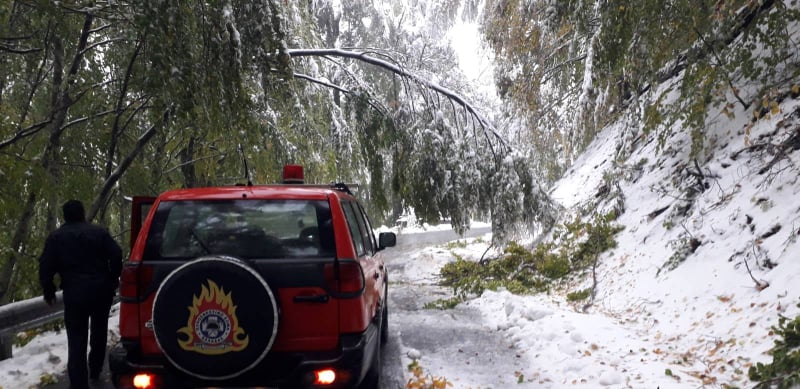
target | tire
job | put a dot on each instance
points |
(372, 380)
(215, 318)
(385, 319)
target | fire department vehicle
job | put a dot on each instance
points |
(252, 286)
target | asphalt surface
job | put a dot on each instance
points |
(410, 325)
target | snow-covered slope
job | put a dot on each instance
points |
(679, 279)
(676, 304)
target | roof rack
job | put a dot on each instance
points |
(340, 186)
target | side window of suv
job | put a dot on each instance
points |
(366, 230)
(371, 230)
(352, 223)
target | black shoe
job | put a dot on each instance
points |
(94, 376)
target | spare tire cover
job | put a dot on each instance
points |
(215, 317)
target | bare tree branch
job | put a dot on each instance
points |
(322, 82)
(24, 133)
(18, 50)
(551, 69)
(734, 90)
(193, 161)
(339, 88)
(82, 41)
(123, 166)
(115, 129)
(35, 83)
(101, 28)
(85, 119)
(105, 42)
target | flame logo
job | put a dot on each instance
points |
(212, 327)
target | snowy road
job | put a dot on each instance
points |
(452, 344)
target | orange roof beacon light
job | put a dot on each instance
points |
(293, 174)
(324, 377)
(143, 381)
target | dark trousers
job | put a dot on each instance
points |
(82, 307)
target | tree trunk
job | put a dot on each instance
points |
(102, 197)
(116, 129)
(187, 167)
(60, 103)
(7, 271)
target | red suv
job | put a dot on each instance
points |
(252, 286)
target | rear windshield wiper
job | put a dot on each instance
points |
(200, 241)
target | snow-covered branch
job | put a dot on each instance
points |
(322, 82)
(361, 56)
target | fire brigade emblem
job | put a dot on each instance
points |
(212, 327)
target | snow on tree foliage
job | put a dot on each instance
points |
(192, 88)
(508, 201)
(569, 68)
(438, 154)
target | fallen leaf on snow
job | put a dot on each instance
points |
(725, 299)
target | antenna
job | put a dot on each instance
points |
(244, 162)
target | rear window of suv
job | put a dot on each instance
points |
(249, 229)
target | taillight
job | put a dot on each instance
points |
(324, 377)
(344, 277)
(143, 381)
(140, 380)
(134, 280)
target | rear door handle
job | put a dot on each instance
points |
(321, 298)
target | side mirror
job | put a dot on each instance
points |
(386, 239)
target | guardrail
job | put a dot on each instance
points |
(24, 315)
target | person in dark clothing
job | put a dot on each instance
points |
(89, 262)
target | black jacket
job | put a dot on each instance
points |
(84, 255)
